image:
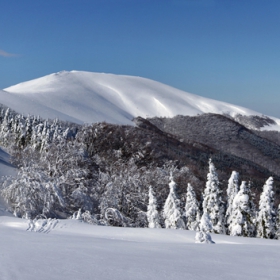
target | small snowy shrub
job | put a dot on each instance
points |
(205, 226)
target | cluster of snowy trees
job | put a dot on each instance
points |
(61, 175)
(18, 131)
(237, 217)
(53, 183)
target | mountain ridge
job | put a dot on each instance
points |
(223, 134)
(87, 97)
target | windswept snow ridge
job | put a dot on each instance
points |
(86, 97)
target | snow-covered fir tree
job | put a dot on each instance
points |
(242, 221)
(171, 210)
(212, 200)
(152, 213)
(192, 209)
(205, 227)
(278, 222)
(266, 226)
(232, 191)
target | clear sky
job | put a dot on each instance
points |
(223, 49)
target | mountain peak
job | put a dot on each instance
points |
(87, 97)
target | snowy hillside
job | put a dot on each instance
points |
(6, 168)
(72, 250)
(86, 97)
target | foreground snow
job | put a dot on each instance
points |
(74, 250)
(86, 97)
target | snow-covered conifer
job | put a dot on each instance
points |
(242, 221)
(278, 223)
(6, 128)
(152, 213)
(266, 227)
(205, 227)
(171, 209)
(192, 209)
(212, 200)
(232, 191)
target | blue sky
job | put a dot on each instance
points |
(222, 49)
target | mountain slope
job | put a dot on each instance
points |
(225, 135)
(6, 168)
(148, 146)
(86, 97)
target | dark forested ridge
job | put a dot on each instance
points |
(228, 136)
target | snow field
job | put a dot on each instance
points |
(75, 250)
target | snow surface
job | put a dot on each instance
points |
(86, 97)
(6, 168)
(75, 250)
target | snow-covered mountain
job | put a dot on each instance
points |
(86, 97)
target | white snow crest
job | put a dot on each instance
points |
(85, 97)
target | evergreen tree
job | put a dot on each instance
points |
(232, 191)
(152, 213)
(6, 128)
(242, 220)
(278, 223)
(192, 209)
(171, 209)
(212, 200)
(266, 227)
(205, 227)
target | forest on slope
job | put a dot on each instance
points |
(103, 171)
